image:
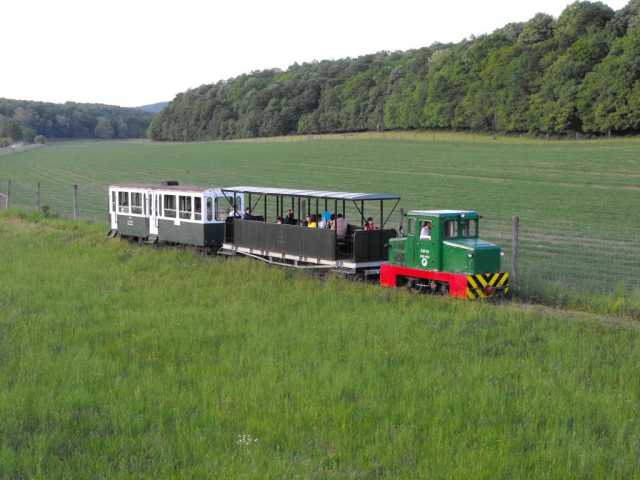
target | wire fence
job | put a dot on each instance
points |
(552, 254)
(85, 202)
(556, 255)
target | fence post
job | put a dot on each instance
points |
(38, 196)
(75, 202)
(515, 244)
(8, 193)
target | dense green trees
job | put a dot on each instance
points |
(579, 73)
(610, 97)
(24, 120)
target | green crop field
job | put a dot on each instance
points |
(577, 200)
(120, 361)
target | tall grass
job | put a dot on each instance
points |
(119, 361)
(621, 301)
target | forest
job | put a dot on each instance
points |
(28, 121)
(577, 74)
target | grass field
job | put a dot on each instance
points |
(119, 361)
(576, 200)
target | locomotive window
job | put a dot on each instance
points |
(185, 207)
(410, 223)
(136, 203)
(425, 231)
(123, 202)
(210, 209)
(197, 208)
(472, 228)
(451, 229)
(113, 202)
(169, 206)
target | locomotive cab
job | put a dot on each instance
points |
(444, 247)
(445, 241)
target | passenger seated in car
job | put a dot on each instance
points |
(279, 220)
(326, 218)
(313, 222)
(341, 226)
(248, 215)
(290, 219)
(233, 214)
(332, 222)
(369, 225)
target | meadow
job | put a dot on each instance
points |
(120, 361)
(576, 199)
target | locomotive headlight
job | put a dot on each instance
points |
(502, 254)
(470, 255)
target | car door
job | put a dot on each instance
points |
(152, 204)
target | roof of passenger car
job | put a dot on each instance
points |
(295, 192)
(159, 186)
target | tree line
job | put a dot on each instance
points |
(28, 121)
(577, 73)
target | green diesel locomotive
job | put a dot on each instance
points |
(442, 252)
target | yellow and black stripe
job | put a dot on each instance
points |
(487, 285)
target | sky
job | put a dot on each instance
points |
(137, 52)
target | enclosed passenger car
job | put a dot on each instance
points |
(171, 213)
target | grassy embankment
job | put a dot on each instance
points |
(121, 361)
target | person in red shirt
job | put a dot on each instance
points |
(369, 225)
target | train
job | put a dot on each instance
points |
(431, 251)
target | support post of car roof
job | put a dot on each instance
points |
(381, 214)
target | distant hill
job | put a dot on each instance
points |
(23, 120)
(154, 107)
(575, 73)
